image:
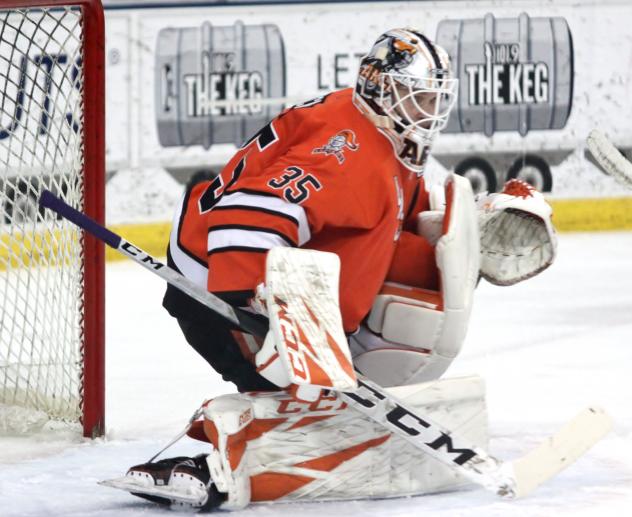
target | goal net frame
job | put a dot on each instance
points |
(92, 346)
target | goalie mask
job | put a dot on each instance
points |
(405, 86)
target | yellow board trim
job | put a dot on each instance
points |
(44, 249)
(39, 249)
(569, 215)
(592, 215)
(150, 237)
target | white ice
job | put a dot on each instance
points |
(547, 348)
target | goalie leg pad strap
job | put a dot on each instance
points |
(226, 420)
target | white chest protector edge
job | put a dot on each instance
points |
(413, 335)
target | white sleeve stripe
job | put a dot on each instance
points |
(286, 238)
(272, 203)
(260, 210)
(243, 239)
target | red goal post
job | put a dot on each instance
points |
(52, 135)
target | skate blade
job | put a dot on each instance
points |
(191, 495)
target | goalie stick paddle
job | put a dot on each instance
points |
(609, 157)
(509, 479)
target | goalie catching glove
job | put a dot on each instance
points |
(517, 237)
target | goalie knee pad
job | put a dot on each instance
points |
(411, 334)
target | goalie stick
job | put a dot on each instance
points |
(609, 157)
(509, 479)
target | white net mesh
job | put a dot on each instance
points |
(41, 257)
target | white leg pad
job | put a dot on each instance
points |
(326, 451)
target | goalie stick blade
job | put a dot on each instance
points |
(609, 157)
(190, 496)
(560, 450)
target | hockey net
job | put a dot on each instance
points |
(51, 275)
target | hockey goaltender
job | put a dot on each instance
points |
(321, 226)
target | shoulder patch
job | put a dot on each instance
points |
(338, 144)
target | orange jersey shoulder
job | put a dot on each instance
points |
(324, 155)
(319, 176)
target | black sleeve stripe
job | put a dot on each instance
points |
(258, 209)
(185, 204)
(171, 263)
(263, 229)
(412, 202)
(238, 248)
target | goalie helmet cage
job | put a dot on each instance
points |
(52, 135)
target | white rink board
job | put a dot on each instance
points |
(322, 51)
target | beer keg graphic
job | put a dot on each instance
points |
(515, 74)
(211, 81)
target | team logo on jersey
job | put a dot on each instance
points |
(337, 145)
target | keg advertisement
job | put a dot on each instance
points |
(515, 74)
(212, 82)
(186, 86)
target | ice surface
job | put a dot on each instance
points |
(547, 348)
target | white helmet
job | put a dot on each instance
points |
(405, 86)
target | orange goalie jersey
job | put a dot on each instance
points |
(319, 176)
